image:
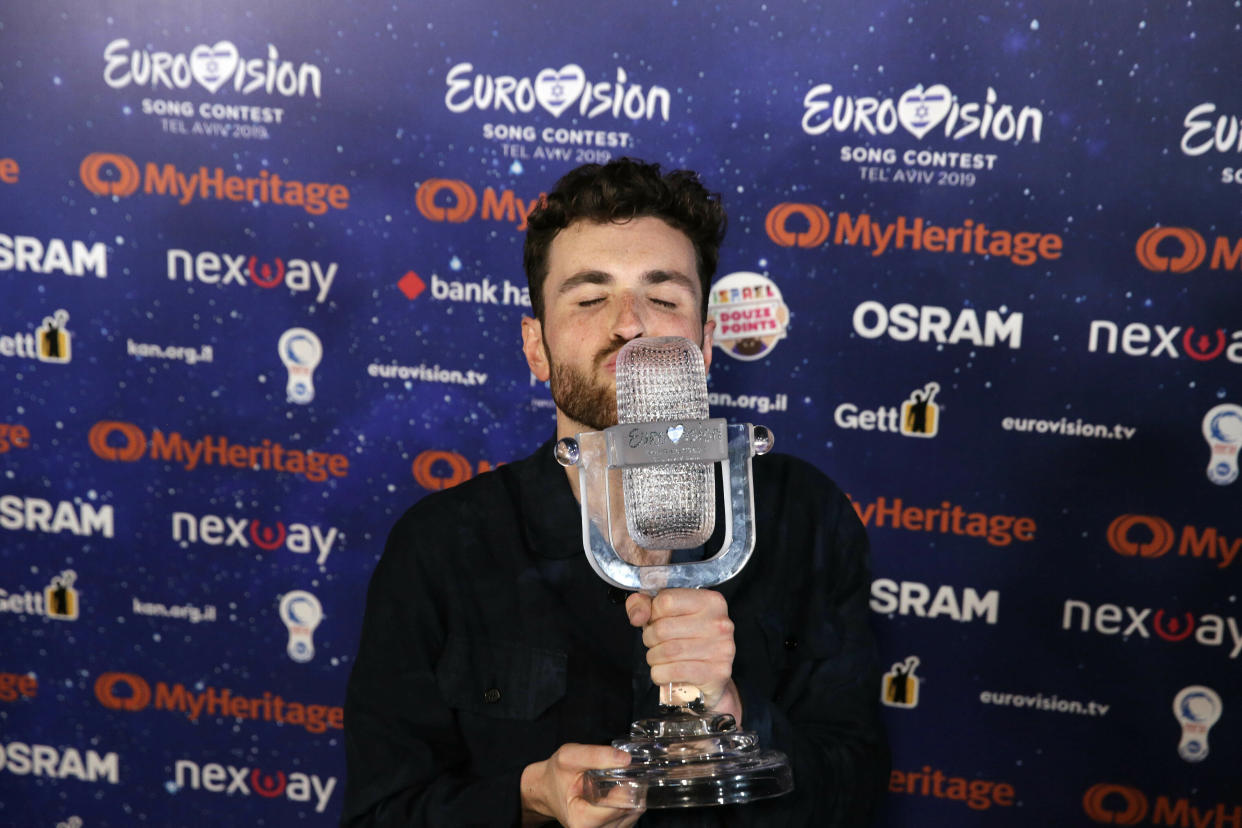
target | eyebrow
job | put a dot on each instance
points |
(651, 277)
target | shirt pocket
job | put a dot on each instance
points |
(500, 680)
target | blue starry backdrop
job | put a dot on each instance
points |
(260, 290)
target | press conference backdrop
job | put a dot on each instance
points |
(261, 290)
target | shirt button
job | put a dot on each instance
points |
(791, 643)
(492, 696)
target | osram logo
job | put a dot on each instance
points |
(1136, 339)
(905, 322)
(912, 598)
(115, 175)
(1109, 803)
(210, 66)
(792, 224)
(1146, 536)
(1107, 619)
(437, 469)
(72, 258)
(298, 275)
(1181, 250)
(455, 201)
(230, 780)
(224, 530)
(34, 514)
(22, 759)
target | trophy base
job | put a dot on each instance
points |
(685, 760)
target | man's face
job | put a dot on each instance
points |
(608, 284)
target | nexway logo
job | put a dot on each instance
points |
(1207, 630)
(1147, 536)
(230, 780)
(229, 531)
(1136, 340)
(242, 270)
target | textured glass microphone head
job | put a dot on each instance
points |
(667, 505)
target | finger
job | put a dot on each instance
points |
(721, 650)
(679, 601)
(576, 758)
(638, 608)
(687, 627)
(708, 676)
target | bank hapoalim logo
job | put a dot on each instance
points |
(920, 415)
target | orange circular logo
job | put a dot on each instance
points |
(778, 219)
(1161, 536)
(1134, 804)
(139, 691)
(464, 199)
(127, 174)
(425, 473)
(1193, 248)
(135, 441)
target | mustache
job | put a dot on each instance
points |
(604, 353)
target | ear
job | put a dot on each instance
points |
(709, 328)
(532, 347)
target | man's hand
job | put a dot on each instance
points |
(689, 638)
(553, 789)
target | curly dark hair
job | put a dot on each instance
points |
(618, 191)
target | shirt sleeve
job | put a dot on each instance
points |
(405, 760)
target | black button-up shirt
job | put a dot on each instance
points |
(489, 641)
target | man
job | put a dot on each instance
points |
(495, 666)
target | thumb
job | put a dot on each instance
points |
(638, 608)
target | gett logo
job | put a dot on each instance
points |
(1181, 250)
(436, 469)
(124, 181)
(777, 225)
(1110, 804)
(461, 201)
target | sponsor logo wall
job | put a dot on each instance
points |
(260, 289)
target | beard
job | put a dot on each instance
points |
(582, 398)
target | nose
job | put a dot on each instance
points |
(628, 323)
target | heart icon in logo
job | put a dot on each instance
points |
(212, 66)
(557, 89)
(675, 432)
(919, 109)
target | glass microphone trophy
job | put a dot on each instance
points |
(649, 484)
